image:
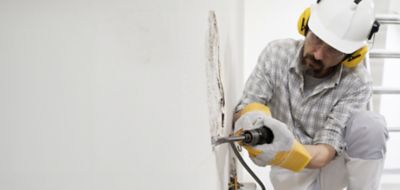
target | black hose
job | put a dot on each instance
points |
(246, 166)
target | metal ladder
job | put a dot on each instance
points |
(383, 90)
(384, 19)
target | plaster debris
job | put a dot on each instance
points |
(215, 90)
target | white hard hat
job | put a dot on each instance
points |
(343, 24)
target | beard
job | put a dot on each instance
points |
(312, 66)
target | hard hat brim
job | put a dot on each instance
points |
(319, 28)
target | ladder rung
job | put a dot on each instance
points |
(380, 53)
(388, 18)
(385, 90)
(391, 171)
(394, 129)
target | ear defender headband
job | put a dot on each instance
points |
(351, 60)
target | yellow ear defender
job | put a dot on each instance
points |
(303, 21)
(351, 60)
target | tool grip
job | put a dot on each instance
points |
(262, 135)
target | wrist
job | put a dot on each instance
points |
(296, 159)
(321, 155)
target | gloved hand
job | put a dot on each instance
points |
(284, 151)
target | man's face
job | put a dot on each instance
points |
(319, 58)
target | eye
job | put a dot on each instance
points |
(314, 39)
(333, 51)
(317, 38)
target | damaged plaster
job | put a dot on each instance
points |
(215, 90)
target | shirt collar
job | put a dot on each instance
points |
(295, 64)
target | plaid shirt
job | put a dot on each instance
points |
(321, 116)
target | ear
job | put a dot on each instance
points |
(352, 60)
(303, 21)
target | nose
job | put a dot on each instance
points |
(319, 52)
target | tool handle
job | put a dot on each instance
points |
(262, 135)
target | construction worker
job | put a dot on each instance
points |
(312, 94)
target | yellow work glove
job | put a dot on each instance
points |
(284, 151)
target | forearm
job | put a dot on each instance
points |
(321, 155)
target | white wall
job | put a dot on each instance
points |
(111, 94)
(267, 20)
